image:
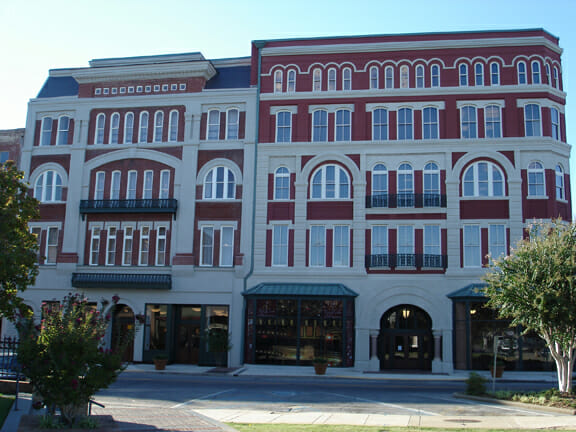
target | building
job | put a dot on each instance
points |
(10, 144)
(332, 197)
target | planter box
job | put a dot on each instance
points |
(31, 423)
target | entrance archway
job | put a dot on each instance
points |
(405, 340)
(122, 323)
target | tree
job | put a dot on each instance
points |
(535, 286)
(18, 246)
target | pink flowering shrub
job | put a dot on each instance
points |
(64, 357)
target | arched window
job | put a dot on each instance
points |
(463, 75)
(521, 68)
(374, 77)
(48, 187)
(560, 191)
(282, 184)
(330, 182)
(63, 130)
(128, 128)
(479, 74)
(317, 80)
(158, 126)
(173, 126)
(536, 73)
(483, 179)
(548, 74)
(380, 186)
(435, 76)
(219, 183)
(404, 77)
(405, 185)
(419, 76)
(114, 128)
(431, 186)
(494, 73)
(278, 81)
(143, 129)
(232, 122)
(291, 84)
(99, 133)
(536, 179)
(555, 123)
(389, 76)
(347, 79)
(320, 126)
(556, 78)
(380, 124)
(331, 79)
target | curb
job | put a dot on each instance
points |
(567, 411)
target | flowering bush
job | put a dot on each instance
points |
(64, 357)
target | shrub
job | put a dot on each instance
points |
(475, 384)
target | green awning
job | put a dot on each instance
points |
(474, 291)
(300, 290)
(122, 280)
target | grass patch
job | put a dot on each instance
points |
(551, 397)
(5, 404)
(253, 427)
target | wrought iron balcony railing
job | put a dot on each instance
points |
(425, 261)
(405, 200)
(160, 205)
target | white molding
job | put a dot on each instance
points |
(543, 102)
(289, 108)
(395, 106)
(331, 108)
(480, 104)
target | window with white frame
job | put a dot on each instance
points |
(232, 124)
(536, 79)
(494, 74)
(283, 126)
(94, 246)
(419, 76)
(317, 80)
(555, 122)
(492, 121)
(48, 187)
(226, 246)
(213, 130)
(161, 245)
(317, 246)
(482, 179)
(51, 245)
(468, 122)
(173, 126)
(521, 69)
(128, 245)
(164, 192)
(435, 76)
(330, 182)
(405, 124)
(405, 186)
(291, 81)
(556, 78)
(158, 126)
(280, 245)
(99, 133)
(380, 186)
(472, 246)
(374, 77)
(46, 134)
(431, 185)
(343, 125)
(207, 246)
(111, 246)
(220, 183)
(379, 242)
(128, 128)
(496, 240)
(278, 77)
(532, 120)
(143, 127)
(432, 248)
(536, 180)
(147, 184)
(347, 79)
(430, 123)
(63, 130)
(560, 191)
(320, 126)
(131, 185)
(115, 185)
(389, 77)
(331, 79)
(144, 245)
(341, 246)
(548, 75)
(478, 74)
(463, 75)
(380, 124)
(282, 184)
(114, 128)
(405, 256)
(404, 77)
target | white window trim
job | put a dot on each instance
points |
(98, 129)
(49, 245)
(60, 130)
(398, 124)
(229, 124)
(173, 125)
(334, 247)
(518, 73)
(114, 130)
(208, 124)
(324, 246)
(143, 138)
(533, 71)
(94, 237)
(420, 76)
(281, 175)
(202, 261)
(386, 69)
(283, 127)
(432, 76)
(285, 247)
(128, 190)
(336, 125)
(144, 190)
(462, 122)
(110, 237)
(221, 252)
(345, 80)
(99, 191)
(437, 123)
(479, 75)
(128, 139)
(463, 75)
(486, 122)
(278, 81)
(375, 79)
(161, 189)
(140, 249)
(380, 124)
(113, 175)
(124, 248)
(332, 80)
(158, 238)
(477, 246)
(497, 74)
(157, 127)
(404, 85)
(541, 171)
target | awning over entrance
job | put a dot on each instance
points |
(300, 290)
(122, 280)
(474, 291)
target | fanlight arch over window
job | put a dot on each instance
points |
(330, 182)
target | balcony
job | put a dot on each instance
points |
(422, 261)
(160, 205)
(406, 200)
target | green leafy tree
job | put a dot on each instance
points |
(18, 246)
(535, 286)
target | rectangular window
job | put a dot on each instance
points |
(128, 245)
(37, 232)
(320, 126)
(468, 122)
(115, 185)
(226, 246)
(161, 246)
(147, 186)
(99, 185)
(380, 240)
(213, 132)
(52, 245)
(46, 134)
(291, 83)
(432, 249)
(144, 245)
(492, 122)
(233, 119)
(164, 184)
(131, 185)
(283, 126)
(280, 245)
(94, 246)
(63, 130)
(343, 120)
(317, 80)
(111, 247)
(479, 74)
(207, 246)
(472, 246)
(494, 74)
(497, 241)
(143, 129)
(430, 123)
(317, 246)
(532, 123)
(380, 124)
(555, 120)
(405, 124)
(341, 246)
(406, 256)
(331, 79)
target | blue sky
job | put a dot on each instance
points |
(39, 35)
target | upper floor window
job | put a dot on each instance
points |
(232, 120)
(115, 185)
(320, 125)
(432, 246)
(548, 75)
(494, 73)
(341, 246)
(479, 74)
(291, 84)
(560, 191)
(48, 187)
(373, 77)
(556, 78)
(405, 124)
(536, 185)
(164, 184)
(435, 76)
(468, 122)
(143, 129)
(282, 184)
(173, 126)
(128, 128)
(158, 126)
(419, 76)
(100, 124)
(131, 185)
(532, 123)
(521, 67)
(483, 179)
(283, 126)
(331, 79)
(536, 73)
(492, 122)
(280, 245)
(63, 130)
(379, 180)
(317, 246)
(389, 77)
(317, 80)
(555, 121)
(347, 79)
(114, 128)
(213, 132)
(405, 246)
(431, 185)
(496, 240)
(472, 246)
(219, 183)
(405, 186)
(463, 75)
(430, 123)
(330, 182)
(404, 77)
(46, 135)
(343, 124)
(99, 182)
(278, 81)
(380, 124)
(379, 242)
(147, 185)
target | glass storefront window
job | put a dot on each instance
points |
(156, 327)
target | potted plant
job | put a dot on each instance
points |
(160, 361)
(320, 365)
(497, 373)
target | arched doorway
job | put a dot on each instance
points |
(123, 323)
(405, 340)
